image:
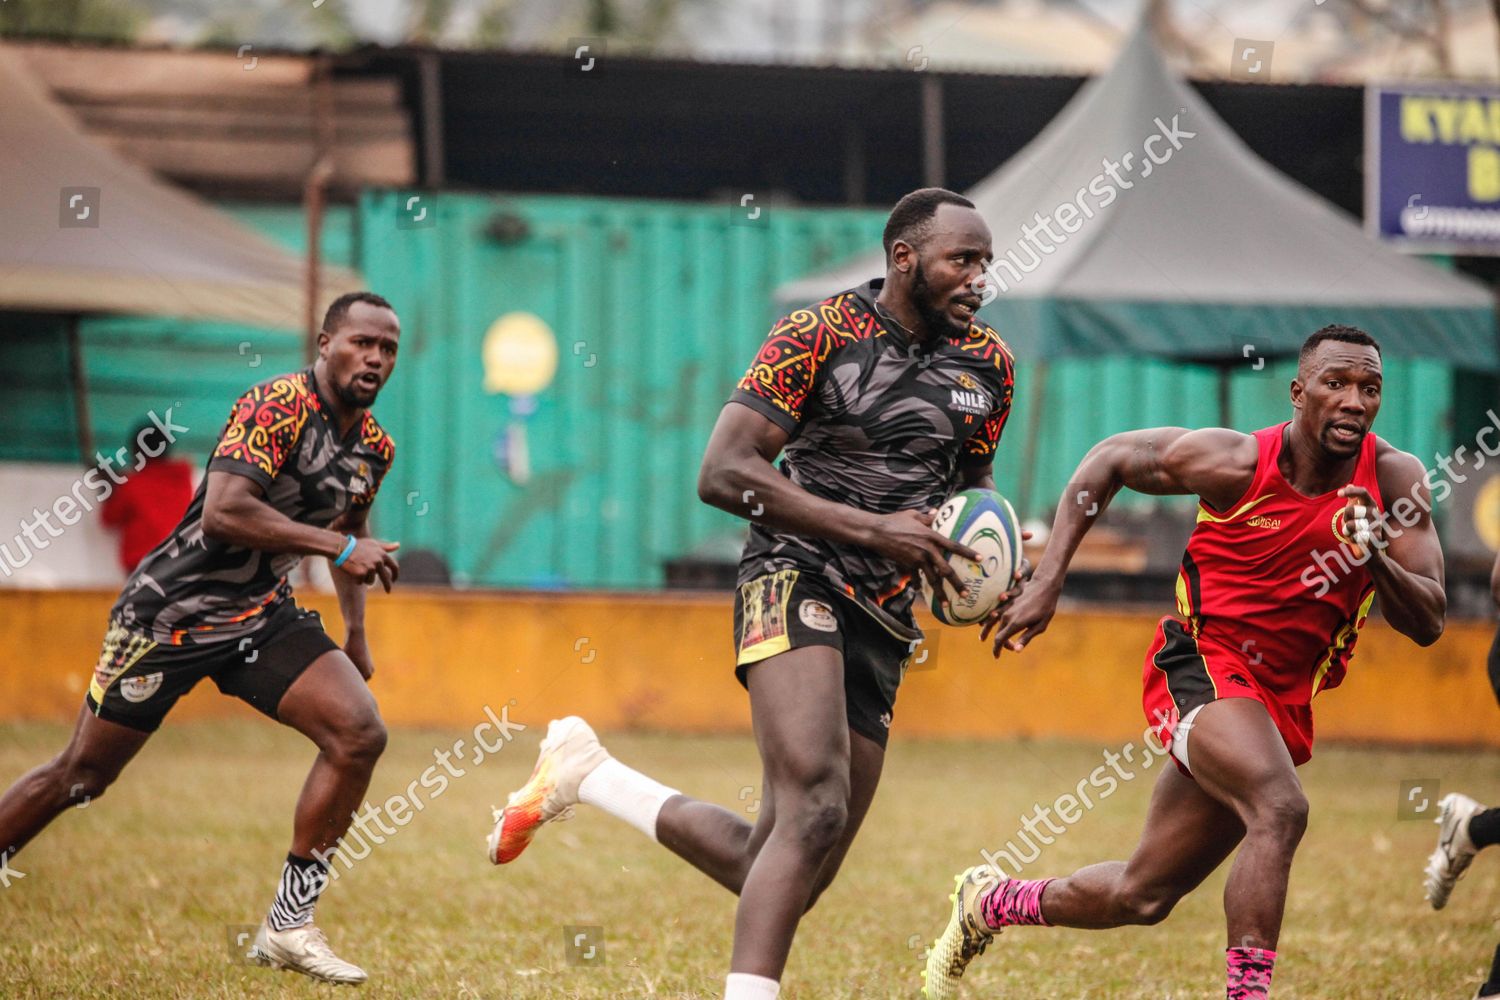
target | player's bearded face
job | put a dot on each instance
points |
(361, 355)
(356, 375)
(356, 395)
(934, 306)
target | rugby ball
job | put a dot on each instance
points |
(981, 520)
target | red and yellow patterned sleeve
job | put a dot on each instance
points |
(778, 382)
(262, 430)
(980, 449)
(374, 437)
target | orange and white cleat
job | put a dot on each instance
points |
(569, 752)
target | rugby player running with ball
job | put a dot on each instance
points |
(884, 400)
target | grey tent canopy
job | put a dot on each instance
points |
(1207, 254)
(87, 232)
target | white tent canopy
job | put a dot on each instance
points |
(87, 232)
(1189, 255)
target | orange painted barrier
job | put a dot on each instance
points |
(664, 662)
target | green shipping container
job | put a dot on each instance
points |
(657, 308)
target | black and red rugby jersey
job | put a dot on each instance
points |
(281, 434)
(876, 422)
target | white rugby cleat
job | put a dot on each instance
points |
(569, 753)
(303, 949)
(1450, 859)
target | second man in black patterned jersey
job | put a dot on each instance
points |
(293, 474)
(882, 400)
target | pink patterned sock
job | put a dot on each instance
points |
(1014, 903)
(1249, 973)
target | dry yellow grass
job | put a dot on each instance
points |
(136, 894)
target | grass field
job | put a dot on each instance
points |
(138, 894)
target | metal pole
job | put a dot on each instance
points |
(854, 164)
(1033, 435)
(80, 391)
(314, 196)
(934, 169)
(434, 159)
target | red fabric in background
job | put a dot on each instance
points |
(147, 506)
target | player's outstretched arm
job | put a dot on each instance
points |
(235, 512)
(1407, 560)
(1214, 463)
(737, 476)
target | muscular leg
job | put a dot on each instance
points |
(1188, 834)
(92, 760)
(797, 704)
(331, 705)
(722, 845)
(716, 841)
(1239, 758)
(866, 758)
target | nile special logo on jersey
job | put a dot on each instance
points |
(967, 398)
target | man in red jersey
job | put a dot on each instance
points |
(1233, 673)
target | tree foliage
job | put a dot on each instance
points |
(98, 20)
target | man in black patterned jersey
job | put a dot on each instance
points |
(883, 399)
(293, 475)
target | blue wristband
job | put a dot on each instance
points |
(348, 548)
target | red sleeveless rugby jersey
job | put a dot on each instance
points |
(1274, 581)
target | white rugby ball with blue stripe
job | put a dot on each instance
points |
(981, 520)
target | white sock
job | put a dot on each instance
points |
(743, 986)
(626, 794)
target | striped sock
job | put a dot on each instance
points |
(1249, 973)
(1015, 903)
(302, 882)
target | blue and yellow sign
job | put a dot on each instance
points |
(1432, 167)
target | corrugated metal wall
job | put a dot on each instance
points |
(657, 308)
